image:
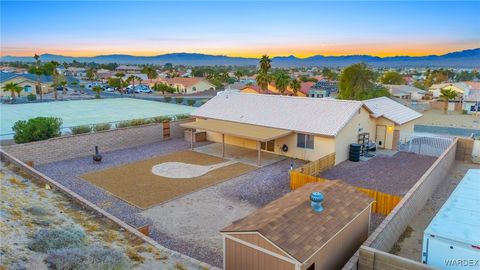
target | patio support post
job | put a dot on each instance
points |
(223, 145)
(191, 138)
(259, 157)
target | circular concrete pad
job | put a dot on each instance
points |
(185, 170)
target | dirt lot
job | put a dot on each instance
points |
(136, 184)
(410, 243)
(390, 174)
(452, 119)
(26, 208)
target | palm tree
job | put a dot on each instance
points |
(64, 87)
(447, 94)
(295, 86)
(131, 79)
(238, 74)
(159, 87)
(150, 72)
(120, 76)
(281, 82)
(54, 73)
(38, 72)
(14, 88)
(265, 63)
(263, 79)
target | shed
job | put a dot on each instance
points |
(288, 234)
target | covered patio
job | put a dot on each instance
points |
(258, 134)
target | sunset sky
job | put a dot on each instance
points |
(238, 28)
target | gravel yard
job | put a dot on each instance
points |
(390, 174)
(204, 212)
(26, 209)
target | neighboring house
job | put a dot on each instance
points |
(460, 88)
(27, 81)
(405, 91)
(303, 128)
(78, 72)
(288, 234)
(189, 85)
(272, 90)
(471, 102)
(323, 88)
(128, 69)
(105, 74)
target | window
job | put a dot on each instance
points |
(269, 146)
(305, 141)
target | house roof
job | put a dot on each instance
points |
(403, 89)
(292, 225)
(305, 86)
(186, 82)
(391, 110)
(307, 115)
(472, 97)
(460, 86)
(6, 76)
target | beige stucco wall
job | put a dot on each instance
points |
(22, 82)
(199, 87)
(405, 130)
(390, 127)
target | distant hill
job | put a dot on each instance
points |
(466, 58)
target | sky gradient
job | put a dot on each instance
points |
(238, 28)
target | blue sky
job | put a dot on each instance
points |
(238, 28)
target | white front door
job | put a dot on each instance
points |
(380, 136)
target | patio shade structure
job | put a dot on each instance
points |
(245, 131)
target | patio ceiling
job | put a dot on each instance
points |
(252, 132)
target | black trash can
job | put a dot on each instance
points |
(354, 153)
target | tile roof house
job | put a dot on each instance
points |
(27, 81)
(310, 128)
(189, 85)
(272, 89)
(289, 234)
(405, 91)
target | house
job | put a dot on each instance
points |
(128, 69)
(459, 87)
(299, 127)
(323, 88)
(76, 72)
(27, 81)
(471, 102)
(289, 234)
(272, 89)
(189, 85)
(405, 91)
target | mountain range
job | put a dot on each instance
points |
(466, 58)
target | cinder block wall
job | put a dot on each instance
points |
(67, 147)
(464, 149)
(388, 232)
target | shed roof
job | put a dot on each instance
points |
(256, 133)
(292, 225)
(300, 114)
(459, 217)
(392, 110)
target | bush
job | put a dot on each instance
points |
(88, 258)
(81, 129)
(102, 127)
(31, 97)
(182, 116)
(168, 99)
(51, 239)
(191, 102)
(36, 129)
(161, 119)
(133, 122)
(179, 100)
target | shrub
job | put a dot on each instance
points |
(51, 239)
(191, 102)
(168, 99)
(102, 127)
(88, 258)
(134, 122)
(31, 97)
(182, 116)
(160, 119)
(123, 124)
(179, 100)
(81, 129)
(36, 129)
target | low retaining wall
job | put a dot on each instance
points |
(388, 232)
(38, 176)
(73, 146)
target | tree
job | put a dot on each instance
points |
(161, 87)
(13, 88)
(97, 89)
(263, 79)
(91, 74)
(36, 129)
(295, 85)
(447, 94)
(282, 80)
(392, 77)
(238, 74)
(38, 72)
(150, 72)
(120, 76)
(64, 87)
(265, 63)
(52, 69)
(355, 81)
(131, 80)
